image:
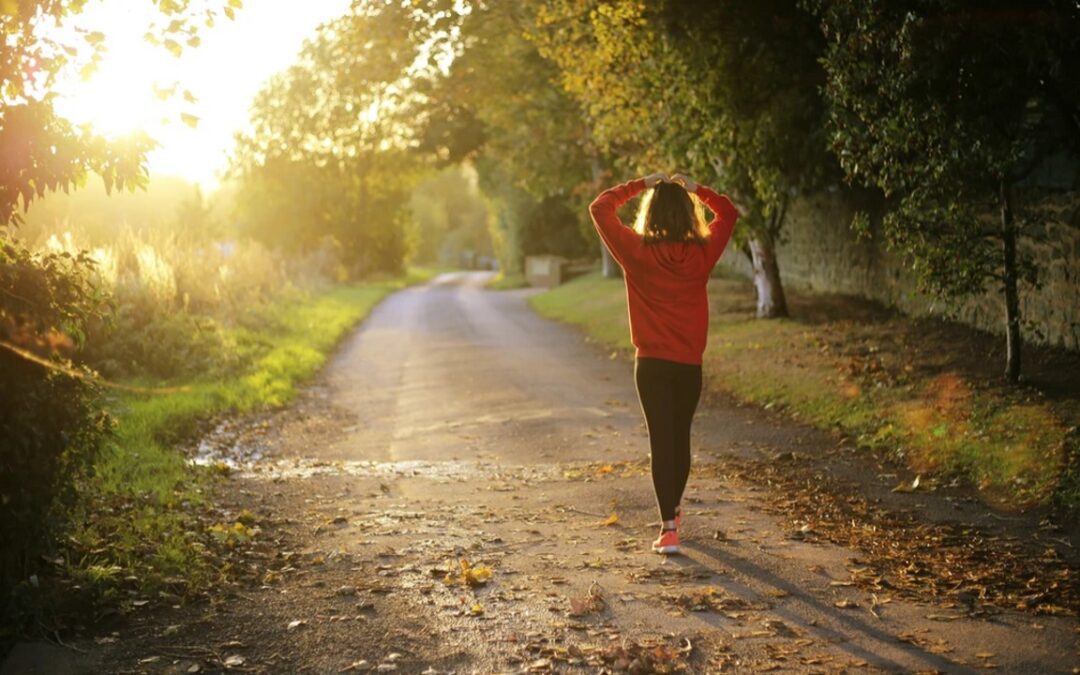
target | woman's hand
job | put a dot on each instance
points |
(685, 181)
(654, 178)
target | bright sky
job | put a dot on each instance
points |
(224, 73)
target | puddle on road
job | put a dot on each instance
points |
(233, 444)
(302, 467)
(246, 447)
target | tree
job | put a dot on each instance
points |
(50, 419)
(758, 77)
(330, 151)
(450, 217)
(43, 152)
(947, 106)
(195, 218)
(500, 107)
(725, 91)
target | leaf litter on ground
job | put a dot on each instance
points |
(956, 563)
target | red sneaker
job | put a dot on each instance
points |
(667, 543)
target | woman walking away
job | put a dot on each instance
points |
(666, 259)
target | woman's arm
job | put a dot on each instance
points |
(723, 222)
(619, 238)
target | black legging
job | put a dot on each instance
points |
(669, 393)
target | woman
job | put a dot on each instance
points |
(666, 260)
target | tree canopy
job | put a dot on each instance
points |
(42, 152)
(726, 92)
(500, 107)
(329, 155)
(947, 106)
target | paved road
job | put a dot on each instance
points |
(447, 370)
(456, 424)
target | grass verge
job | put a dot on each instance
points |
(506, 282)
(926, 392)
(143, 530)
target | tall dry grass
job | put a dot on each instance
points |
(181, 302)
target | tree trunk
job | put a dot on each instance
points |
(771, 303)
(1013, 340)
(608, 266)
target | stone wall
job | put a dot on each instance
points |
(820, 252)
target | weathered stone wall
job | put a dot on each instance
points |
(820, 252)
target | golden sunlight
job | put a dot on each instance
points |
(140, 86)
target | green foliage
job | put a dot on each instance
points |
(45, 297)
(174, 296)
(328, 156)
(500, 107)
(523, 225)
(946, 105)
(137, 523)
(48, 154)
(43, 152)
(449, 218)
(98, 218)
(157, 343)
(50, 422)
(725, 91)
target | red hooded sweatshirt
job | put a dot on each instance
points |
(665, 281)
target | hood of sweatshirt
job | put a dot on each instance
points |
(680, 259)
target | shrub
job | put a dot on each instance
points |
(174, 297)
(50, 421)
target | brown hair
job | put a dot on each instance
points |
(669, 214)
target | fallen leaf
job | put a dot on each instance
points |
(944, 617)
(468, 574)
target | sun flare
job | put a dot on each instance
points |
(140, 87)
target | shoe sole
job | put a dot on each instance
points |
(666, 550)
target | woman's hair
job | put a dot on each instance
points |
(669, 214)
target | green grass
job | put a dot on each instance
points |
(944, 423)
(596, 304)
(506, 282)
(139, 513)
